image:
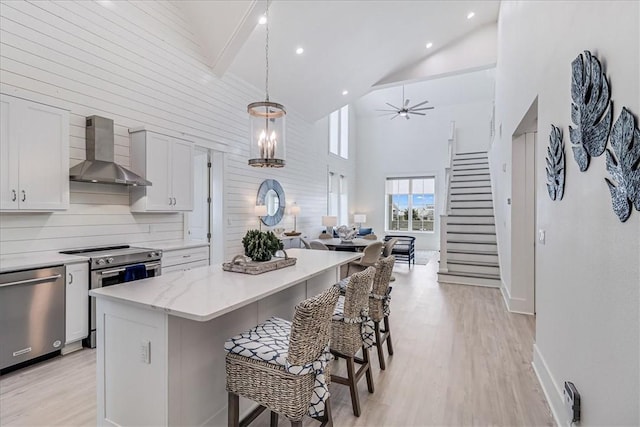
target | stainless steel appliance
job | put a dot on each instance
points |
(31, 314)
(114, 265)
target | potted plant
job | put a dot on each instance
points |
(261, 245)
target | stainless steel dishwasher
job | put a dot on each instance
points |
(32, 304)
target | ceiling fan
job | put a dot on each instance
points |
(405, 111)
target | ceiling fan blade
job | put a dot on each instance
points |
(421, 109)
(392, 106)
(419, 114)
(406, 103)
(397, 114)
(417, 105)
(407, 117)
(395, 111)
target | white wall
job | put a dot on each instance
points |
(588, 272)
(140, 64)
(418, 146)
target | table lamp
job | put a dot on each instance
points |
(295, 211)
(260, 211)
(329, 222)
(359, 219)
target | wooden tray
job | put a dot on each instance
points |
(242, 264)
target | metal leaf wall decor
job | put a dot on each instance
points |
(555, 164)
(624, 165)
(591, 110)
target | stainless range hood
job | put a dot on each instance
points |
(99, 166)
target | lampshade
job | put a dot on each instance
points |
(329, 221)
(261, 210)
(359, 218)
(294, 210)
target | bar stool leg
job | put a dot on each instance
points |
(353, 386)
(327, 420)
(233, 410)
(274, 419)
(388, 332)
(379, 344)
(368, 373)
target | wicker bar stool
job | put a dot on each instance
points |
(349, 319)
(283, 365)
(379, 300)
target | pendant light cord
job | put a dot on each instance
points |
(266, 53)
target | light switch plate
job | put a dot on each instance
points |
(145, 352)
(542, 236)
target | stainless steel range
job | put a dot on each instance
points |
(114, 265)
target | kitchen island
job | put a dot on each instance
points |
(160, 358)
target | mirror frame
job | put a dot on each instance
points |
(271, 184)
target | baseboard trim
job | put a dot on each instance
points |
(514, 305)
(549, 387)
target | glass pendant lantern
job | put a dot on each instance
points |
(267, 124)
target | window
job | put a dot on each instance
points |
(339, 132)
(338, 200)
(410, 204)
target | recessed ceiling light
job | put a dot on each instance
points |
(262, 20)
(299, 51)
(429, 45)
(345, 92)
(471, 15)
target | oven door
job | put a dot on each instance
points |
(110, 277)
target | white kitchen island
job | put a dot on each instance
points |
(161, 359)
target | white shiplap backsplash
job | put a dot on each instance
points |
(138, 63)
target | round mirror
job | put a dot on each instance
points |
(271, 195)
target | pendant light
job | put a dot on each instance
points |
(267, 124)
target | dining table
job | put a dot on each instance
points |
(355, 245)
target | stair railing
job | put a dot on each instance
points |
(448, 173)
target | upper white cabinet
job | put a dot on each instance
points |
(168, 163)
(34, 155)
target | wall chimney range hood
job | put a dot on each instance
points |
(99, 166)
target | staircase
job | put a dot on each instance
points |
(468, 246)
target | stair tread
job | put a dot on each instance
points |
(478, 275)
(472, 152)
(470, 223)
(473, 263)
(484, 233)
(471, 252)
(471, 200)
(471, 242)
(469, 194)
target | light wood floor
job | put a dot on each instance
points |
(460, 359)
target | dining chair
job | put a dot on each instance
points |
(370, 256)
(318, 245)
(388, 246)
(370, 237)
(306, 243)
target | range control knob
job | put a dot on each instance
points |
(152, 254)
(101, 261)
(109, 260)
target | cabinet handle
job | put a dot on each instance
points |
(170, 201)
(186, 256)
(70, 278)
(24, 196)
(15, 196)
(174, 201)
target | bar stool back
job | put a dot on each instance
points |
(379, 306)
(281, 365)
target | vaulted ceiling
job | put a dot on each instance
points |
(353, 46)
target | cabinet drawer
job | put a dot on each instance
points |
(185, 266)
(182, 256)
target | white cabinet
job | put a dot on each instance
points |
(184, 259)
(77, 302)
(168, 163)
(34, 156)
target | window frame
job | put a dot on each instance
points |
(339, 128)
(410, 195)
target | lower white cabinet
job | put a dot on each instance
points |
(77, 302)
(185, 258)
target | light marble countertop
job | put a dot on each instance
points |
(37, 260)
(208, 292)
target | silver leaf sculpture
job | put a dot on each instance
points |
(555, 164)
(623, 164)
(591, 110)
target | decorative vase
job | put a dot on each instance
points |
(346, 233)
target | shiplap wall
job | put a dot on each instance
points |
(138, 63)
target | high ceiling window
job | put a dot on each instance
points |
(339, 132)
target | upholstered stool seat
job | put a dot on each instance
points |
(283, 365)
(351, 330)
